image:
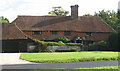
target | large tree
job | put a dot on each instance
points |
(110, 17)
(58, 11)
(4, 20)
(118, 15)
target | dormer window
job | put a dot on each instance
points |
(36, 32)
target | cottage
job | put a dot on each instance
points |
(50, 27)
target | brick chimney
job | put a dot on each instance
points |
(74, 12)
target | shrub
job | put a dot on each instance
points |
(40, 46)
(60, 42)
(74, 44)
(53, 44)
(101, 45)
(66, 50)
(113, 41)
(63, 39)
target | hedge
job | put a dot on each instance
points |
(53, 44)
(58, 43)
(74, 44)
(66, 50)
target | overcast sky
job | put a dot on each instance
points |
(12, 8)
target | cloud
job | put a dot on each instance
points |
(12, 8)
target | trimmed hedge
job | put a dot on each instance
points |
(63, 39)
(74, 44)
(58, 43)
(53, 44)
(66, 50)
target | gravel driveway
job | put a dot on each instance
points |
(12, 58)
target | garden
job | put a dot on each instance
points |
(99, 51)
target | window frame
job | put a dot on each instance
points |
(36, 32)
(66, 33)
(54, 32)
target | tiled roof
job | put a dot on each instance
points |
(59, 23)
(10, 31)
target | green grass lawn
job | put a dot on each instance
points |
(67, 57)
(76, 70)
(106, 67)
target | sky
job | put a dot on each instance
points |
(12, 8)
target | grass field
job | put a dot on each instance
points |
(67, 57)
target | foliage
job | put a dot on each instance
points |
(63, 39)
(60, 42)
(87, 15)
(113, 41)
(74, 44)
(118, 15)
(58, 11)
(110, 17)
(41, 46)
(69, 56)
(53, 44)
(4, 20)
(40, 43)
(66, 50)
(100, 46)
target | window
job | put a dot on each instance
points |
(36, 32)
(54, 32)
(88, 34)
(67, 33)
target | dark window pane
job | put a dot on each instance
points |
(36, 32)
(67, 33)
(54, 32)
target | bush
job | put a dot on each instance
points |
(63, 39)
(53, 44)
(113, 41)
(100, 46)
(66, 50)
(74, 44)
(60, 42)
(40, 46)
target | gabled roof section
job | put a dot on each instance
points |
(62, 23)
(10, 31)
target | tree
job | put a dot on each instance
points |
(4, 20)
(118, 15)
(110, 17)
(58, 11)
